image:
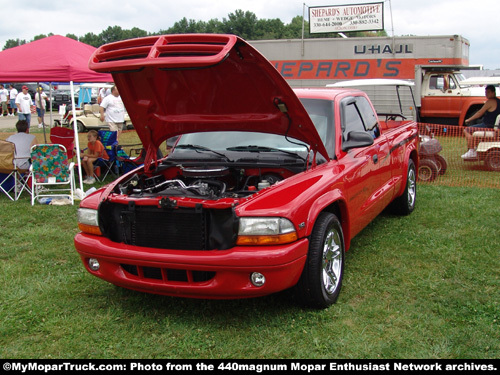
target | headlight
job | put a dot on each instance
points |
(265, 231)
(88, 221)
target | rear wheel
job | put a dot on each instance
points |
(405, 204)
(321, 280)
(442, 164)
(492, 160)
(81, 128)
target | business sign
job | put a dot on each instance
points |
(346, 18)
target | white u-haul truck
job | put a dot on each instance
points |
(433, 63)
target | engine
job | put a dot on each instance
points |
(198, 182)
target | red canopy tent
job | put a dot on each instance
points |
(52, 59)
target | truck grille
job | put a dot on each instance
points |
(176, 229)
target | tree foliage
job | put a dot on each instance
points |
(242, 23)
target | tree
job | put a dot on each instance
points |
(13, 43)
(91, 39)
(241, 23)
(112, 34)
(244, 24)
(270, 29)
(38, 37)
(294, 29)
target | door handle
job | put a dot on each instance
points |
(375, 159)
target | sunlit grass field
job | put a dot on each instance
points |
(422, 286)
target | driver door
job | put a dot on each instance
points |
(368, 174)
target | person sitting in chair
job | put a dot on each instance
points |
(23, 141)
(95, 150)
(489, 112)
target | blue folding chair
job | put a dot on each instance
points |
(112, 164)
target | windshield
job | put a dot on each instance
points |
(221, 141)
(320, 111)
(460, 77)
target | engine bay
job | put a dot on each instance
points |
(209, 182)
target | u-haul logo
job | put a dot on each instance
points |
(376, 49)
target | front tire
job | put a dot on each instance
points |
(321, 280)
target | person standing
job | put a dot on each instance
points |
(23, 103)
(4, 94)
(112, 111)
(103, 92)
(41, 103)
(12, 95)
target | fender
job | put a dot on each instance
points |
(411, 153)
(468, 103)
(333, 197)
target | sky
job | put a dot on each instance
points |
(409, 17)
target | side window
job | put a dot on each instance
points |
(436, 82)
(453, 85)
(369, 117)
(359, 117)
(352, 118)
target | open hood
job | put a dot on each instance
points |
(176, 84)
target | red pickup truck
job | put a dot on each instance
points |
(265, 187)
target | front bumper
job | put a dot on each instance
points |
(198, 274)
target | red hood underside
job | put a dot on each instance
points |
(176, 84)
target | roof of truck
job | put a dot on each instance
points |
(372, 82)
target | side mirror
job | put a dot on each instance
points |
(357, 140)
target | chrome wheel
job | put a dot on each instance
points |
(332, 262)
(321, 280)
(405, 203)
(412, 187)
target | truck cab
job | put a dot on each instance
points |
(443, 98)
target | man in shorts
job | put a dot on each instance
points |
(24, 103)
(4, 96)
(112, 111)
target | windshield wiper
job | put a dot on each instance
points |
(199, 148)
(253, 148)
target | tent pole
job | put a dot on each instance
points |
(77, 141)
(37, 92)
(50, 101)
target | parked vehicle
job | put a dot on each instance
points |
(88, 118)
(263, 191)
(431, 164)
(31, 87)
(433, 63)
(488, 147)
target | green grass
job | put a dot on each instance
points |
(422, 286)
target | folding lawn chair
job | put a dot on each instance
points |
(64, 136)
(52, 174)
(13, 180)
(112, 164)
(127, 163)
